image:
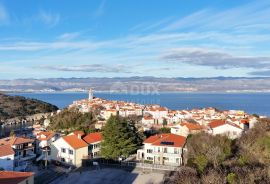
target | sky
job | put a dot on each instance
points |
(123, 38)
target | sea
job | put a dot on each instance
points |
(254, 103)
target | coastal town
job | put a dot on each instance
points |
(161, 151)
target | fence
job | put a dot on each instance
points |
(130, 164)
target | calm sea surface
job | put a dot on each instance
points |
(258, 103)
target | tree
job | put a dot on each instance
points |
(204, 149)
(164, 130)
(185, 175)
(120, 138)
(72, 119)
(254, 145)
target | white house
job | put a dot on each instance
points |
(69, 150)
(7, 157)
(43, 143)
(157, 113)
(164, 149)
(225, 128)
(24, 151)
(94, 144)
(148, 120)
(185, 129)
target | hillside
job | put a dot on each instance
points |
(15, 106)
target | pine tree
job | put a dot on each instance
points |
(120, 138)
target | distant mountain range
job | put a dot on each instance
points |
(139, 84)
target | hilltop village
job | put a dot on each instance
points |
(181, 122)
(164, 150)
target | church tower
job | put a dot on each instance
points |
(90, 95)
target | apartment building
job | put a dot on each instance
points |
(70, 150)
(94, 144)
(7, 157)
(24, 151)
(164, 149)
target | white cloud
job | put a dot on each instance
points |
(69, 36)
(90, 68)
(251, 14)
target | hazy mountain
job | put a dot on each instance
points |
(139, 84)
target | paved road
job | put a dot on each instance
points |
(111, 176)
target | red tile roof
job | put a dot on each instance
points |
(6, 150)
(244, 121)
(160, 139)
(93, 137)
(75, 142)
(15, 140)
(43, 136)
(12, 177)
(216, 123)
(192, 126)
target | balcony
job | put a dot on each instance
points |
(26, 157)
(168, 154)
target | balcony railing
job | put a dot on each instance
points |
(171, 154)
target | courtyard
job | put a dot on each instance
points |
(111, 176)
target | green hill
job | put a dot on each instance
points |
(17, 106)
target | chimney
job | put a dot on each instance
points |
(79, 136)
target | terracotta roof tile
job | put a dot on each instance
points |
(75, 142)
(15, 140)
(6, 150)
(163, 139)
(45, 135)
(93, 137)
(192, 126)
(216, 123)
(12, 177)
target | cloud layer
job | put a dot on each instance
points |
(216, 59)
(90, 68)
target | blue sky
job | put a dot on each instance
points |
(122, 38)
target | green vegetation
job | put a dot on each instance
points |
(120, 138)
(16, 106)
(164, 130)
(70, 120)
(216, 159)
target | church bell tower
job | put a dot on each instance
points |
(90, 95)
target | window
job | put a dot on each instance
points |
(8, 158)
(149, 158)
(70, 152)
(165, 158)
(63, 150)
(62, 159)
(158, 149)
(165, 150)
(149, 151)
(175, 151)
